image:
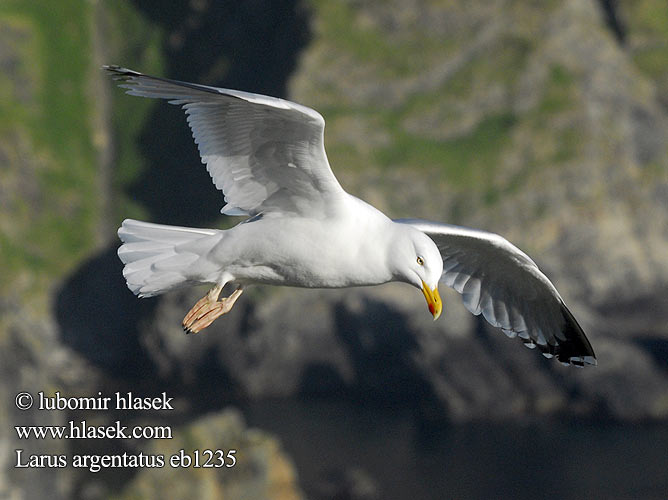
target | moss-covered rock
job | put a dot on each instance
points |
(252, 464)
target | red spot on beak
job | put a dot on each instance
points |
(433, 300)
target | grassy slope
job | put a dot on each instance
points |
(463, 155)
(48, 127)
(646, 22)
(54, 55)
(464, 131)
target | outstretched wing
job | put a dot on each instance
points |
(499, 281)
(267, 155)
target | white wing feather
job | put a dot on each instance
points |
(267, 155)
(499, 281)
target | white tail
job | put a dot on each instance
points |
(156, 256)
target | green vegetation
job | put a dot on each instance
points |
(62, 52)
(463, 160)
(647, 31)
(48, 111)
(560, 97)
(501, 64)
(340, 27)
(138, 45)
(653, 61)
(559, 91)
(466, 158)
(48, 104)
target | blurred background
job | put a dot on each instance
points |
(544, 121)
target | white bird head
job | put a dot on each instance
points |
(417, 261)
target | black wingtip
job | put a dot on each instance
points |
(119, 73)
(572, 348)
(115, 68)
(576, 349)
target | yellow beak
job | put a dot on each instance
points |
(433, 300)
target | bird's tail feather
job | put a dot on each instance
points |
(156, 256)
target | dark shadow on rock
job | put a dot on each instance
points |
(320, 380)
(657, 348)
(102, 320)
(610, 10)
(98, 317)
(381, 348)
(347, 484)
(212, 388)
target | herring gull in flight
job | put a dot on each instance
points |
(267, 156)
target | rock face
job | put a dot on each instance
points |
(32, 359)
(546, 122)
(252, 464)
(532, 122)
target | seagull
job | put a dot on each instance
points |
(302, 229)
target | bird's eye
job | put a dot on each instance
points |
(420, 261)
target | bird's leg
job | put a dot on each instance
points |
(208, 308)
(195, 312)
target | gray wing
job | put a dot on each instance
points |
(267, 155)
(499, 281)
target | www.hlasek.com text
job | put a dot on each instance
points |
(82, 430)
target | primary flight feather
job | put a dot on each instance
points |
(267, 156)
